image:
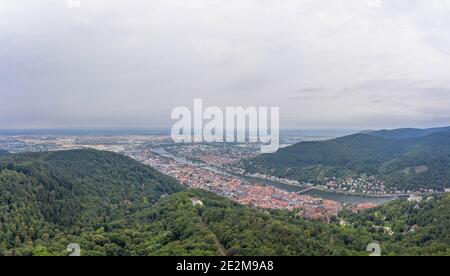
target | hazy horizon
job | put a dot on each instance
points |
(350, 64)
(167, 130)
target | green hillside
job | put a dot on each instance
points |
(417, 228)
(111, 205)
(44, 194)
(407, 164)
(407, 133)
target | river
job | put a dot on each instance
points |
(339, 197)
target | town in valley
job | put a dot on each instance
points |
(211, 167)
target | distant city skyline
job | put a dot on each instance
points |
(349, 64)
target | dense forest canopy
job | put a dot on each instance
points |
(71, 191)
(412, 228)
(111, 205)
(407, 133)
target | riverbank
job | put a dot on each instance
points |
(329, 195)
(315, 192)
(342, 196)
(327, 190)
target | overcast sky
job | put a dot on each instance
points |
(325, 63)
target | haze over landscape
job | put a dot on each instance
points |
(351, 95)
(326, 64)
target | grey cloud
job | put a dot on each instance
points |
(310, 90)
(314, 93)
(325, 63)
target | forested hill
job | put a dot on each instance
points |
(409, 228)
(2, 152)
(406, 133)
(44, 194)
(111, 205)
(219, 226)
(409, 164)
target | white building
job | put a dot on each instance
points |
(415, 198)
(197, 202)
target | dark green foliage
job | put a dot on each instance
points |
(43, 194)
(112, 205)
(407, 133)
(405, 164)
(418, 228)
(234, 229)
(108, 204)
